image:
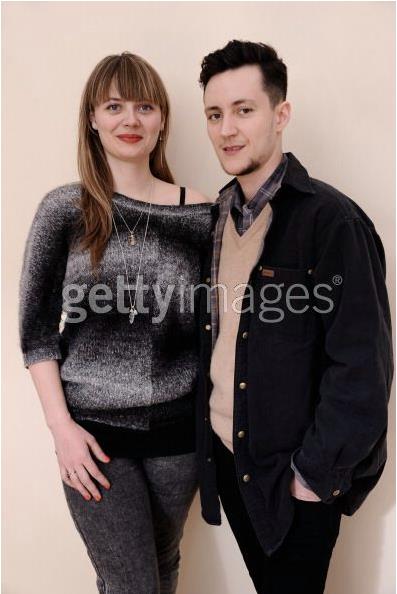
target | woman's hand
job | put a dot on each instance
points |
(73, 447)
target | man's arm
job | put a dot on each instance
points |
(351, 415)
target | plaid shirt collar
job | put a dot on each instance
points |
(244, 214)
(230, 197)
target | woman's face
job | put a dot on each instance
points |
(128, 130)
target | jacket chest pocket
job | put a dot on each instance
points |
(284, 302)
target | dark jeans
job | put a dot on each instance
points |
(132, 535)
(300, 565)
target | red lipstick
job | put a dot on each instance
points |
(130, 138)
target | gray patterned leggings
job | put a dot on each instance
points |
(132, 535)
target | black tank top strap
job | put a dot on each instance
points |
(182, 197)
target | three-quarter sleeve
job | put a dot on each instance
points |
(43, 271)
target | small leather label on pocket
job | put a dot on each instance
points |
(267, 272)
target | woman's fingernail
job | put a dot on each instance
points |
(87, 497)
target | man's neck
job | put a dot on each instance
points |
(251, 183)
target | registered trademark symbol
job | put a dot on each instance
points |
(337, 279)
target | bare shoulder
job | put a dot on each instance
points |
(195, 197)
(170, 194)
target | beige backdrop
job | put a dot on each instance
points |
(340, 57)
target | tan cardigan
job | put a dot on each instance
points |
(239, 254)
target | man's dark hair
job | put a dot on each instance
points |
(242, 53)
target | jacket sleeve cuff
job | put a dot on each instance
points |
(328, 485)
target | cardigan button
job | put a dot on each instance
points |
(246, 478)
(208, 327)
(208, 279)
(241, 434)
(242, 385)
(336, 493)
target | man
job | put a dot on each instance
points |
(296, 358)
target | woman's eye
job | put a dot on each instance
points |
(145, 107)
(214, 116)
(113, 107)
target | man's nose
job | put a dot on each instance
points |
(228, 127)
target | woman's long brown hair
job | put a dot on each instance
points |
(135, 80)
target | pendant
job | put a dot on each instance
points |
(132, 314)
(131, 239)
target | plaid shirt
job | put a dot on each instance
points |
(231, 199)
(244, 214)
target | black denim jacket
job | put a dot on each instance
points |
(314, 385)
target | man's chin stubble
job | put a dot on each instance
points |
(250, 168)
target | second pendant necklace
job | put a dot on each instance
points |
(133, 311)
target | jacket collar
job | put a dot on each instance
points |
(297, 177)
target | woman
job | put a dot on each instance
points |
(108, 334)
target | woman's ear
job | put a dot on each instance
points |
(93, 122)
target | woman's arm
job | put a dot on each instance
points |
(47, 381)
(43, 273)
(72, 443)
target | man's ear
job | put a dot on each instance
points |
(283, 115)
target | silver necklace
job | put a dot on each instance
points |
(133, 311)
(131, 236)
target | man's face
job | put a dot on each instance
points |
(242, 124)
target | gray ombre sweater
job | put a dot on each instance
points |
(113, 371)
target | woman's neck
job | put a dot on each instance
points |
(131, 179)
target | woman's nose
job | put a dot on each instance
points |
(131, 117)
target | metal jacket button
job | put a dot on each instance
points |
(336, 493)
(241, 434)
(246, 478)
(242, 385)
(245, 334)
(208, 326)
(208, 279)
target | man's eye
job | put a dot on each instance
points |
(245, 110)
(214, 116)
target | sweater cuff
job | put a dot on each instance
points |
(298, 474)
(45, 353)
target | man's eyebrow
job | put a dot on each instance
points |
(237, 102)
